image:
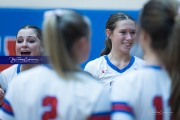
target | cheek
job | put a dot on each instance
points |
(117, 38)
(17, 48)
(134, 36)
(35, 48)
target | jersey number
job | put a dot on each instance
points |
(52, 113)
(159, 107)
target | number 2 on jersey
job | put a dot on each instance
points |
(51, 102)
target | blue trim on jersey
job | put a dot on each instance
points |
(101, 113)
(116, 68)
(9, 110)
(124, 103)
(18, 68)
(48, 66)
(100, 116)
(153, 66)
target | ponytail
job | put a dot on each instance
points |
(56, 48)
(108, 47)
(173, 67)
(62, 29)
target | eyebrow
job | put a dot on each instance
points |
(128, 29)
(27, 36)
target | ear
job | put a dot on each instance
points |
(108, 33)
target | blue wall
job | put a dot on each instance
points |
(13, 19)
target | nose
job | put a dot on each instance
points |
(128, 36)
(24, 44)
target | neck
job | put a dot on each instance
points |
(152, 58)
(27, 66)
(119, 60)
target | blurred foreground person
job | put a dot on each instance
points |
(145, 93)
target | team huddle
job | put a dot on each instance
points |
(115, 86)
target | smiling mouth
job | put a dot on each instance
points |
(128, 44)
(25, 53)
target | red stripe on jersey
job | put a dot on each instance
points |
(122, 107)
(6, 107)
(100, 116)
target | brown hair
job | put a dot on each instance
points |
(173, 66)
(37, 30)
(159, 18)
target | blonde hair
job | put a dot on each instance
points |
(62, 28)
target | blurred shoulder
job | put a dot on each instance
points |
(10, 69)
(135, 77)
(88, 86)
(87, 78)
(139, 59)
(33, 73)
(139, 62)
(95, 61)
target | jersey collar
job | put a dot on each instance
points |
(116, 68)
(18, 68)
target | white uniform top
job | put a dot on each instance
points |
(0, 79)
(142, 95)
(102, 68)
(9, 74)
(40, 94)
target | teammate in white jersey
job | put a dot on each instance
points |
(63, 91)
(1, 91)
(116, 58)
(8, 74)
(145, 94)
(104, 70)
(28, 43)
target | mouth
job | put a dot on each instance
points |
(25, 53)
(128, 45)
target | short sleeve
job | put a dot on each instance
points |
(102, 108)
(91, 69)
(6, 112)
(3, 82)
(123, 97)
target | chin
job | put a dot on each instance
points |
(126, 50)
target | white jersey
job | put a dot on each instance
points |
(1, 78)
(41, 94)
(102, 68)
(9, 74)
(142, 95)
